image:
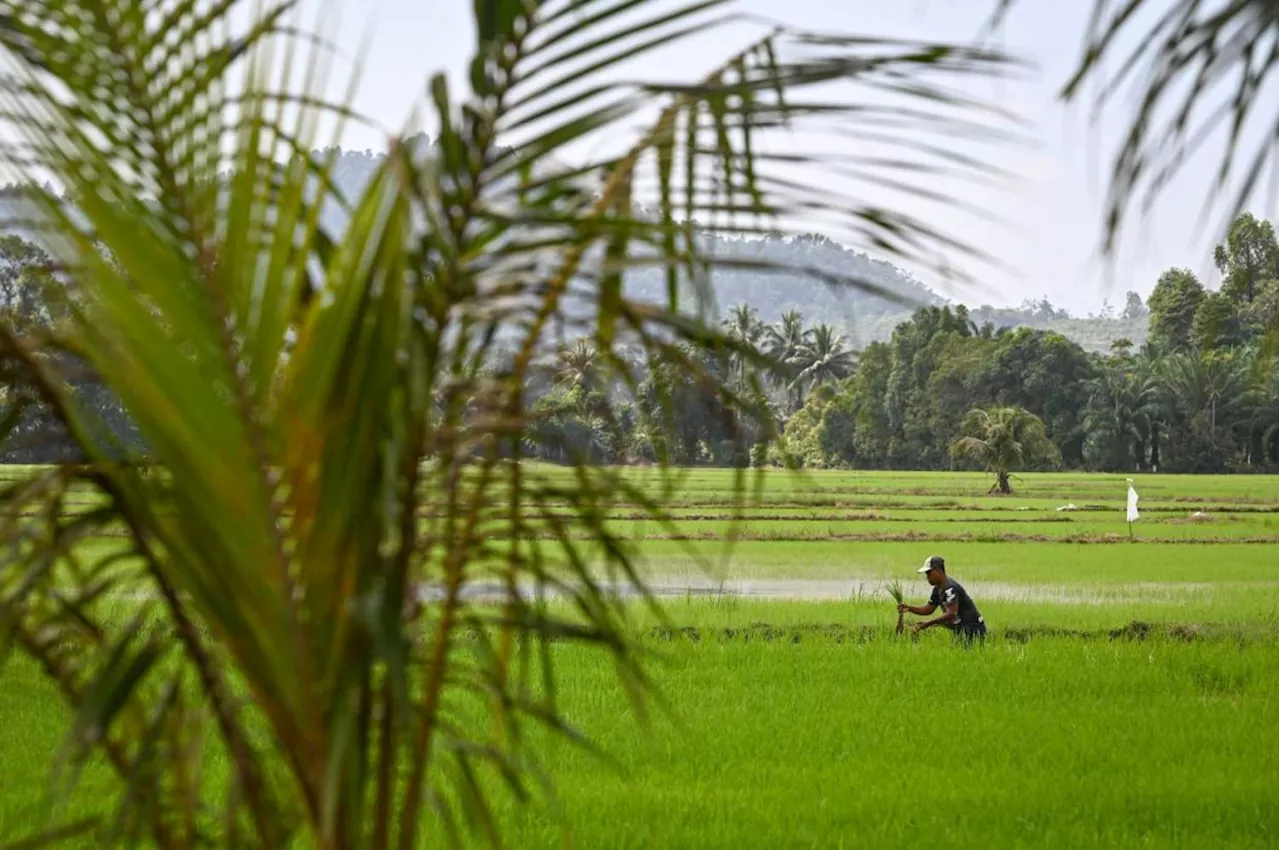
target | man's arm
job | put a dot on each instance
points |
(949, 614)
(920, 610)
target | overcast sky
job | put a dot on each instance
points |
(1051, 213)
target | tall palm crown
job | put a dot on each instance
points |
(744, 327)
(823, 357)
(784, 339)
(577, 365)
(781, 344)
(744, 324)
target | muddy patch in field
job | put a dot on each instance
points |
(827, 516)
(840, 633)
(714, 503)
(821, 536)
(816, 590)
(865, 588)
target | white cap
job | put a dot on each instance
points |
(932, 562)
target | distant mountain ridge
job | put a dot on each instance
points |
(864, 316)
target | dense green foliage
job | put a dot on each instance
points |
(1199, 396)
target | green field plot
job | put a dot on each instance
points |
(1126, 695)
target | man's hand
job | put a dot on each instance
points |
(919, 627)
(903, 607)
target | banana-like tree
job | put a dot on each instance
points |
(286, 644)
(1004, 440)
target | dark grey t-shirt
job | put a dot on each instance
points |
(967, 615)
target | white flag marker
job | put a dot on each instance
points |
(1131, 513)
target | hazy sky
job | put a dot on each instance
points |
(1051, 215)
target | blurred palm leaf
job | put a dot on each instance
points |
(336, 428)
(1201, 70)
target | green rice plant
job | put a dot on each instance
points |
(894, 589)
(766, 731)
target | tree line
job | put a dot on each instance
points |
(1200, 395)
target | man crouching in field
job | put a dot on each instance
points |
(959, 615)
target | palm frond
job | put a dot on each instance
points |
(1202, 71)
(305, 396)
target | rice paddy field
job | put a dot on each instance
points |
(1126, 697)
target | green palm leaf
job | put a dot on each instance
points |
(338, 419)
(1201, 68)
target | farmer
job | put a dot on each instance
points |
(959, 614)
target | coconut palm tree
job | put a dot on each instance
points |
(823, 358)
(781, 344)
(745, 328)
(783, 340)
(1004, 440)
(299, 572)
(744, 324)
(577, 365)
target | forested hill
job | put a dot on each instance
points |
(863, 316)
